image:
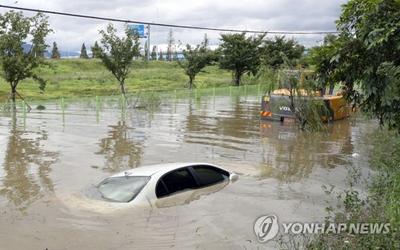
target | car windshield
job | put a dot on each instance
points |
(122, 188)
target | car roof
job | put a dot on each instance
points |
(150, 170)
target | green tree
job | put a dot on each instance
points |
(368, 57)
(154, 53)
(325, 62)
(83, 54)
(117, 53)
(273, 51)
(16, 63)
(240, 54)
(55, 54)
(195, 59)
(95, 50)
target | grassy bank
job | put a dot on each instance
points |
(382, 205)
(80, 78)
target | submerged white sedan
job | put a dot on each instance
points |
(155, 182)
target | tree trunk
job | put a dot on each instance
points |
(122, 85)
(238, 75)
(331, 88)
(323, 90)
(191, 79)
(13, 92)
(123, 91)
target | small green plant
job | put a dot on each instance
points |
(18, 64)
(117, 53)
(196, 59)
(149, 101)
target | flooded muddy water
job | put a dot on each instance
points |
(50, 161)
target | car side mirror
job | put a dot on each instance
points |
(233, 177)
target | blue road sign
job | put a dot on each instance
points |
(138, 28)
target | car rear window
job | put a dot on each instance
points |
(123, 188)
(210, 175)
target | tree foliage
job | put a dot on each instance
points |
(55, 54)
(117, 53)
(83, 54)
(195, 59)
(16, 63)
(276, 50)
(240, 54)
(326, 63)
(368, 57)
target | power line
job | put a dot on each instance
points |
(168, 25)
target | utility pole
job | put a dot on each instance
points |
(148, 42)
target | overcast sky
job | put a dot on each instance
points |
(282, 15)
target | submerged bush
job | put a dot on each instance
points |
(148, 101)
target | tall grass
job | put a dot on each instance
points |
(381, 206)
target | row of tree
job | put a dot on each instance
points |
(238, 52)
(154, 55)
(242, 55)
(55, 53)
(171, 54)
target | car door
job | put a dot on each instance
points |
(184, 185)
(175, 181)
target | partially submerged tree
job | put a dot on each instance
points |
(16, 63)
(240, 54)
(84, 54)
(55, 54)
(195, 59)
(307, 109)
(117, 53)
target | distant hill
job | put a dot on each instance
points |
(63, 53)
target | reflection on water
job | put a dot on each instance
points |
(228, 129)
(26, 166)
(120, 149)
(290, 154)
(47, 164)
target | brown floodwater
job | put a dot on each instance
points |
(50, 161)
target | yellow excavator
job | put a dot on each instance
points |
(276, 104)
